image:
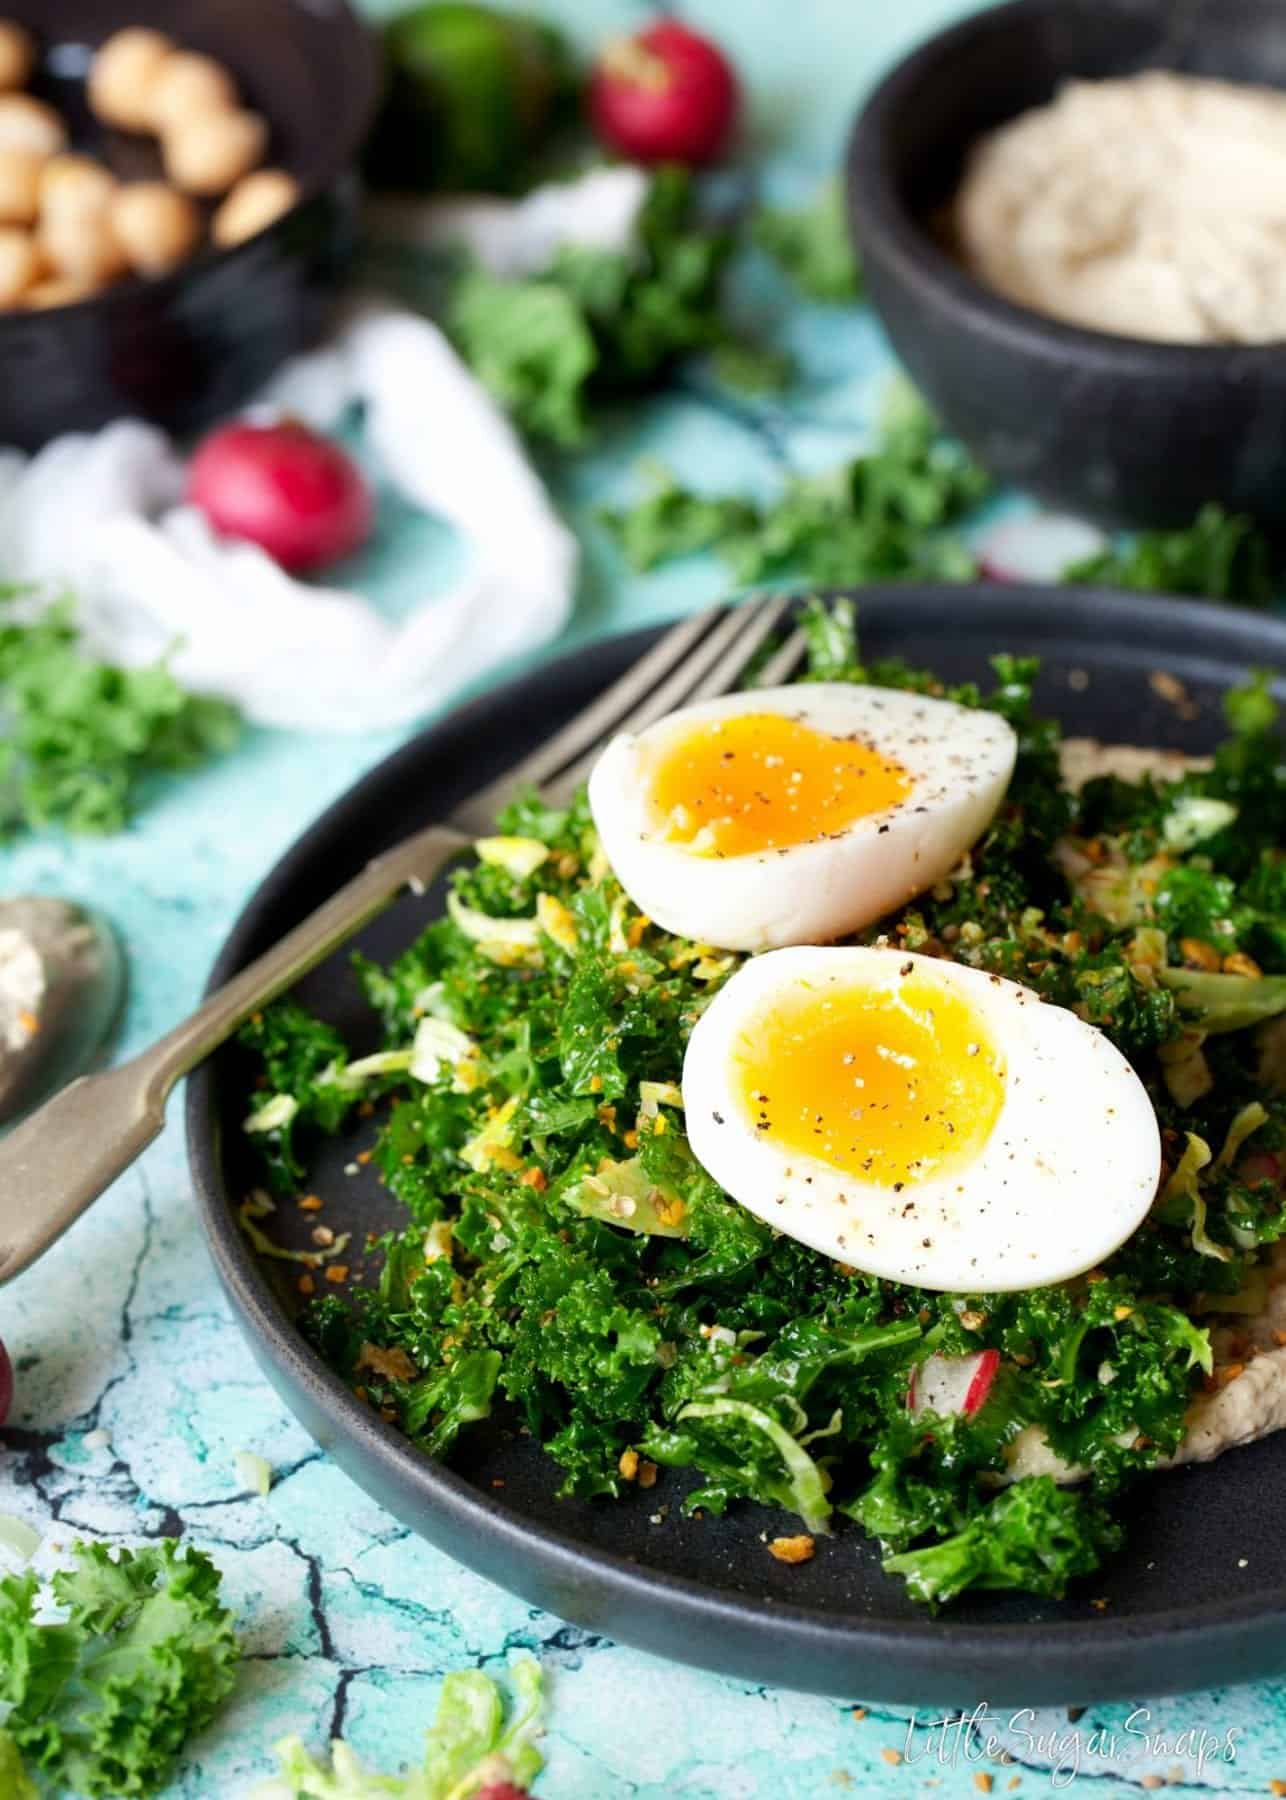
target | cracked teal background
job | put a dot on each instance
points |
(348, 1621)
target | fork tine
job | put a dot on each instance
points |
(719, 660)
(596, 722)
(714, 669)
(783, 663)
(730, 668)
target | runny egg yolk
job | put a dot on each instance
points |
(891, 1085)
(762, 781)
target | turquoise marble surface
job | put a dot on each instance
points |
(135, 1389)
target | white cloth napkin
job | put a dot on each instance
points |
(97, 515)
(101, 517)
(597, 211)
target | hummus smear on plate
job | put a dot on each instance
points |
(1152, 206)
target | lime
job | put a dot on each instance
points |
(471, 93)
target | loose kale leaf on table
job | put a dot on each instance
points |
(596, 322)
(813, 245)
(80, 738)
(102, 1702)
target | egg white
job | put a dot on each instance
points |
(1068, 1172)
(959, 760)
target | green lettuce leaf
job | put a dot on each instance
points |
(1226, 1002)
(470, 1746)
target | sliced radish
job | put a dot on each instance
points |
(947, 1385)
(1259, 1165)
(1036, 547)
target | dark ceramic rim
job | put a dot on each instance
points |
(880, 215)
(367, 78)
(484, 1535)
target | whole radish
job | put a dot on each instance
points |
(666, 94)
(286, 488)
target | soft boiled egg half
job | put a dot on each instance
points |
(920, 1120)
(795, 815)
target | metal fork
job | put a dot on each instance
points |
(65, 1154)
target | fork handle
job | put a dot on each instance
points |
(67, 1152)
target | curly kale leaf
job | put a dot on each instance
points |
(300, 1055)
(81, 739)
(884, 515)
(103, 1703)
(670, 521)
(596, 321)
(926, 1469)
(15, 1783)
(1220, 556)
(1036, 1537)
(813, 245)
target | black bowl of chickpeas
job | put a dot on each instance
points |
(178, 201)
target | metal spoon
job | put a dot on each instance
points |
(62, 980)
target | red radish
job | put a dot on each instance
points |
(295, 494)
(1037, 547)
(664, 95)
(6, 1384)
(946, 1385)
(501, 1790)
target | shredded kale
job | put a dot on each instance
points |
(569, 1268)
(81, 740)
(813, 245)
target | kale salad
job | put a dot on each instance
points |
(567, 1264)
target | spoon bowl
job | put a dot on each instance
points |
(62, 981)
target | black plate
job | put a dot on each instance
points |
(1181, 1613)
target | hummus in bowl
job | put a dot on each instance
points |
(1149, 206)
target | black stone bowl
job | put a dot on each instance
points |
(189, 347)
(1115, 428)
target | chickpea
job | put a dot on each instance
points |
(17, 55)
(27, 124)
(122, 75)
(19, 186)
(155, 226)
(57, 290)
(187, 86)
(75, 186)
(20, 264)
(256, 202)
(82, 247)
(206, 155)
